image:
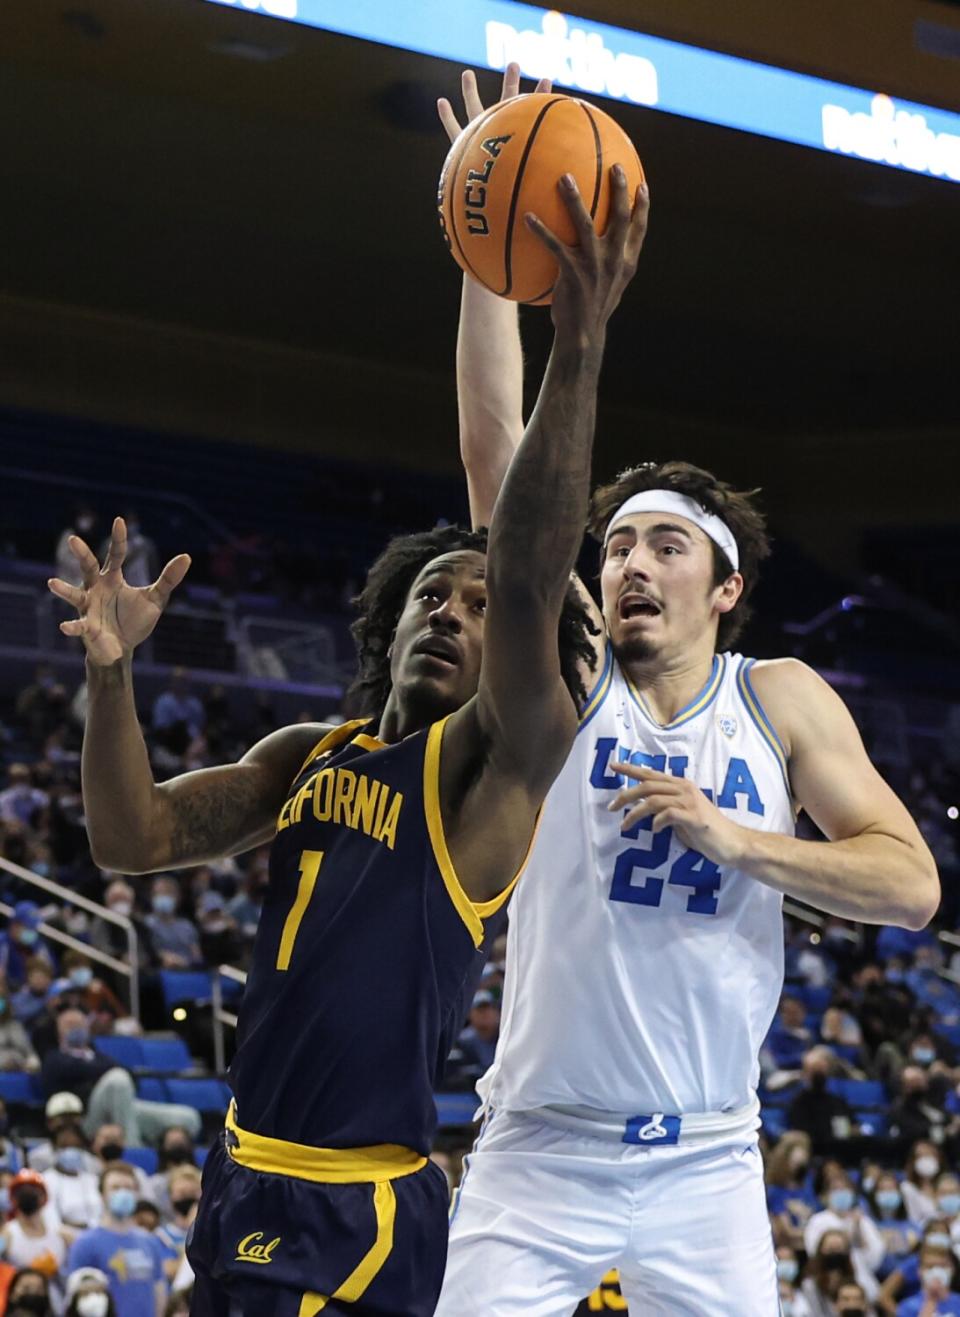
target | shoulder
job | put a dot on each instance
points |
(796, 699)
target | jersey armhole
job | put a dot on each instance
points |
(600, 690)
(762, 723)
(472, 913)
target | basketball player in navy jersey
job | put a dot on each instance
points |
(396, 840)
(622, 1106)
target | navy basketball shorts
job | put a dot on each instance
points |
(270, 1245)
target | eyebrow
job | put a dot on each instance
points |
(445, 569)
(661, 528)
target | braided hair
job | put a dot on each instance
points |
(382, 599)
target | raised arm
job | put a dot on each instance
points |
(489, 355)
(134, 824)
(538, 520)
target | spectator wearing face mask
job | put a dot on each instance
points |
(918, 1112)
(937, 1297)
(183, 1191)
(843, 1214)
(176, 1149)
(94, 996)
(900, 1235)
(29, 1003)
(21, 801)
(63, 1111)
(790, 1198)
(33, 1236)
(119, 1248)
(852, 1302)
(903, 1282)
(73, 1189)
(176, 940)
(919, 1182)
(16, 1050)
(827, 1270)
(792, 1302)
(88, 1294)
(29, 1295)
(19, 942)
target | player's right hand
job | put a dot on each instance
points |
(472, 104)
(113, 618)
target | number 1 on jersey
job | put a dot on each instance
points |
(310, 862)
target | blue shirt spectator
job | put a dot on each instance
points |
(177, 705)
(21, 941)
(175, 940)
(130, 1257)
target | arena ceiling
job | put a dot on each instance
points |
(173, 162)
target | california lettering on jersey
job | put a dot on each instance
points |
(342, 796)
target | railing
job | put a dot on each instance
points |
(130, 971)
(223, 1017)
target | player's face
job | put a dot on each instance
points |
(439, 638)
(659, 599)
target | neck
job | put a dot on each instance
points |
(669, 684)
(117, 1222)
(403, 717)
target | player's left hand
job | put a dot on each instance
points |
(678, 803)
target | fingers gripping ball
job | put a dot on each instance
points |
(508, 162)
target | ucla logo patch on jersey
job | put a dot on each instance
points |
(727, 724)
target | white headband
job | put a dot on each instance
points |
(666, 500)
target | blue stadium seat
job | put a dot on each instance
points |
(125, 1051)
(780, 1097)
(202, 1094)
(950, 1033)
(864, 1094)
(201, 1155)
(456, 1108)
(774, 1121)
(152, 1090)
(145, 1158)
(169, 1055)
(184, 985)
(17, 1086)
(816, 1000)
(846, 1053)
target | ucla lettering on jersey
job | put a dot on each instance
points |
(366, 954)
(641, 976)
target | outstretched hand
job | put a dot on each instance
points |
(594, 272)
(112, 616)
(472, 104)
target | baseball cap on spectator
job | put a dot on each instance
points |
(28, 914)
(484, 998)
(63, 1104)
(86, 1276)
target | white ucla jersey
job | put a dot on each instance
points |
(640, 976)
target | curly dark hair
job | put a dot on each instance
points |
(735, 507)
(382, 599)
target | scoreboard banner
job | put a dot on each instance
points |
(601, 60)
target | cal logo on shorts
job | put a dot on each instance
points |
(250, 1250)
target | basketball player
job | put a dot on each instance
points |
(645, 954)
(393, 850)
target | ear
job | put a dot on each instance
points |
(729, 593)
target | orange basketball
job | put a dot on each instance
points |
(508, 162)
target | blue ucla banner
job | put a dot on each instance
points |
(601, 60)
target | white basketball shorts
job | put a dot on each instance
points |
(544, 1212)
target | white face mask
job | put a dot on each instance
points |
(93, 1305)
(933, 1274)
(927, 1166)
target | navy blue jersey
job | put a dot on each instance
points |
(365, 955)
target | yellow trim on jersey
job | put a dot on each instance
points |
(601, 688)
(373, 1165)
(699, 703)
(472, 913)
(487, 908)
(336, 736)
(359, 1280)
(431, 807)
(369, 742)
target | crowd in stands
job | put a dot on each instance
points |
(859, 1082)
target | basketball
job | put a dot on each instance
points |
(508, 162)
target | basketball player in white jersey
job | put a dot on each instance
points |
(645, 954)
